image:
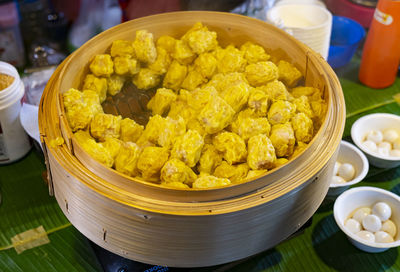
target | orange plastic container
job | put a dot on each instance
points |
(381, 53)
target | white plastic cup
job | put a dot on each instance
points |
(14, 142)
(310, 24)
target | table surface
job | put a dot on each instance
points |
(320, 247)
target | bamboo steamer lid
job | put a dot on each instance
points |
(190, 228)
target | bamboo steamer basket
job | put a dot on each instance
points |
(190, 228)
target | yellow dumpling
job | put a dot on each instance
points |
(175, 75)
(97, 84)
(231, 60)
(144, 46)
(200, 39)
(288, 73)
(81, 107)
(303, 127)
(127, 158)
(175, 184)
(102, 65)
(236, 95)
(122, 48)
(162, 62)
(261, 152)
(235, 173)
(299, 147)
(311, 92)
(261, 73)
(280, 161)
(180, 108)
(283, 139)
(166, 42)
(249, 127)
(115, 83)
(209, 159)
(199, 98)
(188, 148)
(175, 170)
(105, 125)
(276, 90)
(194, 124)
(254, 53)
(232, 147)
(209, 181)
(302, 105)
(151, 160)
(161, 101)
(216, 115)
(146, 79)
(130, 130)
(192, 80)
(280, 112)
(95, 150)
(125, 65)
(112, 145)
(206, 65)
(259, 101)
(183, 53)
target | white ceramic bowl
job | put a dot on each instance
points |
(358, 197)
(376, 121)
(349, 153)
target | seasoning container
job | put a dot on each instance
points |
(11, 45)
(381, 55)
(14, 142)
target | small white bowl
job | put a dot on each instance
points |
(349, 153)
(358, 197)
(376, 121)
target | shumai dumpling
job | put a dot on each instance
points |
(180, 108)
(166, 42)
(209, 181)
(162, 62)
(125, 65)
(261, 73)
(209, 159)
(236, 95)
(188, 148)
(249, 127)
(122, 48)
(175, 75)
(94, 149)
(112, 145)
(216, 115)
(151, 160)
(161, 101)
(105, 125)
(206, 65)
(235, 173)
(115, 83)
(127, 159)
(254, 53)
(283, 139)
(192, 80)
(255, 173)
(102, 65)
(97, 84)
(81, 107)
(259, 101)
(302, 105)
(303, 127)
(276, 90)
(146, 79)
(183, 53)
(288, 73)
(130, 130)
(280, 112)
(232, 147)
(175, 170)
(261, 152)
(200, 39)
(230, 60)
(144, 46)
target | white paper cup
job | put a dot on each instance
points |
(310, 24)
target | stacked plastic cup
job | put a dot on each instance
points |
(309, 23)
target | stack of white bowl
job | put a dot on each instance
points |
(307, 20)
